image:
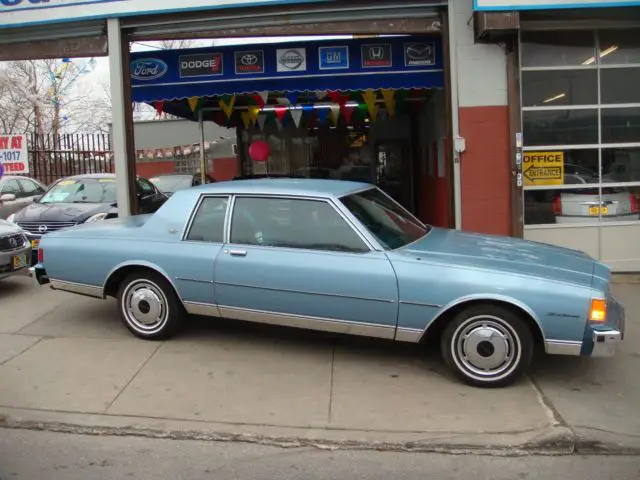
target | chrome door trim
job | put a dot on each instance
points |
(420, 304)
(304, 292)
(204, 309)
(409, 335)
(77, 288)
(309, 323)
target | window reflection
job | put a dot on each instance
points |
(561, 127)
(621, 165)
(620, 125)
(620, 85)
(554, 49)
(619, 47)
(560, 87)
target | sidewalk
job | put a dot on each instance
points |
(67, 363)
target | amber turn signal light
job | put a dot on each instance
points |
(598, 310)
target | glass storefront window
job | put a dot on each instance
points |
(557, 49)
(574, 97)
(560, 87)
(619, 47)
(621, 165)
(560, 127)
(620, 125)
(619, 85)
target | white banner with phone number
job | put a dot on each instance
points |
(14, 155)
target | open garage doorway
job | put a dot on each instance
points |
(369, 109)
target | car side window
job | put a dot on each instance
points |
(208, 222)
(11, 186)
(292, 223)
(31, 188)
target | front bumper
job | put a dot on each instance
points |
(7, 268)
(607, 338)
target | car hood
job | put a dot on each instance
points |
(62, 212)
(503, 253)
(7, 228)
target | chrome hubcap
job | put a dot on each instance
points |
(486, 347)
(145, 306)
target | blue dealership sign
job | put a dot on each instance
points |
(334, 58)
(288, 67)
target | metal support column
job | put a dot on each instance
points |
(203, 163)
(121, 119)
(455, 123)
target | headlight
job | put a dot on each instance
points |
(96, 218)
(11, 218)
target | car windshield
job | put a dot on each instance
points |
(172, 183)
(385, 219)
(84, 190)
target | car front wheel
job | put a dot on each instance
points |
(487, 346)
(149, 307)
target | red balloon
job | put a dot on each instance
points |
(259, 151)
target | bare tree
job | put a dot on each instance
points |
(46, 96)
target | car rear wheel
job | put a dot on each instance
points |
(149, 307)
(487, 346)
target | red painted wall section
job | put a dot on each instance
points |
(486, 170)
(151, 169)
(225, 168)
(435, 191)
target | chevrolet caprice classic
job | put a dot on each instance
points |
(340, 257)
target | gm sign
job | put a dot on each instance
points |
(488, 5)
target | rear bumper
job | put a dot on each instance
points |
(39, 275)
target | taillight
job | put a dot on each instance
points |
(40, 256)
(557, 206)
(598, 310)
(633, 200)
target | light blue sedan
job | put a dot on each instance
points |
(340, 257)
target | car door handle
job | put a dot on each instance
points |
(238, 253)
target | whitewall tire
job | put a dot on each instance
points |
(149, 307)
(487, 346)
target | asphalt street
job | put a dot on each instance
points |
(35, 455)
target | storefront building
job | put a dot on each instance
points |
(521, 119)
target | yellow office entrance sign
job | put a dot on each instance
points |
(543, 168)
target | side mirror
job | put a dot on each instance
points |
(37, 198)
(7, 197)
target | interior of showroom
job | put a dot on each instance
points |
(371, 106)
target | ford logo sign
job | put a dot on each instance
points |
(148, 68)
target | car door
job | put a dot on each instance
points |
(30, 189)
(11, 186)
(298, 262)
(150, 198)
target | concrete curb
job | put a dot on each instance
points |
(553, 440)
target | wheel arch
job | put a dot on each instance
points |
(118, 274)
(438, 324)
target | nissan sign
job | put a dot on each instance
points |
(201, 65)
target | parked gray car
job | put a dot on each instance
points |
(17, 192)
(15, 249)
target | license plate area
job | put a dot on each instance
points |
(597, 211)
(19, 261)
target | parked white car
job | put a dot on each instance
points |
(582, 206)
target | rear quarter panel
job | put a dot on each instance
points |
(429, 287)
(88, 256)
